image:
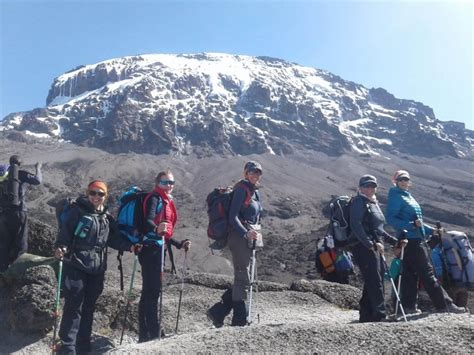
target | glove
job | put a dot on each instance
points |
(136, 248)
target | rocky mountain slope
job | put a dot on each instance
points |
(219, 103)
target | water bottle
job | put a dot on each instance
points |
(83, 227)
(339, 234)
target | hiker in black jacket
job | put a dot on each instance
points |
(244, 219)
(82, 241)
(367, 235)
(13, 216)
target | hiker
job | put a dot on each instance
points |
(160, 220)
(13, 216)
(366, 241)
(83, 239)
(243, 219)
(404, 213)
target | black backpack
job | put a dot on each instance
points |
(218, 204)
(9, 186)
(339, 219)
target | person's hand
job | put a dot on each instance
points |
(402, 243)
(59, 252)
(379, 248)
(251, 234)
(136, 248)
(38, 165)
(161, 228)
(418, 223)
(186, 244)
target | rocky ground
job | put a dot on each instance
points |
(306, 316)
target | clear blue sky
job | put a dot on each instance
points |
(414, 49)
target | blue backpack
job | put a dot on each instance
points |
(130, 218)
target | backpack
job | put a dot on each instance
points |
(9, 186)
(333, 263)
(339, 222)
(218, 205)
(455, 258)
(130, 217)
(62, 209)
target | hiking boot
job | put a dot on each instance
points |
(239, 318)
(217, 313)
(452, 308)
(414, 310)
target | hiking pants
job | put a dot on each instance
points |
(81, 291)
(148, 322)
(372, 303)
(13, 236)
(417, 265)
(241, 258)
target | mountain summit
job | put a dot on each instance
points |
(232, 104)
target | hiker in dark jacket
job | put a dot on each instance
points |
(367, 230)
(405, 214)
(13, 217)
(82, 242)
(244, 218)
(161, 217)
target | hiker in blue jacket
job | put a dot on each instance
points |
(244, 219)
(13, 218)
(82, 242)
(367, 237)
(405, 214)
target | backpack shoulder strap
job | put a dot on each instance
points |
(248, 197)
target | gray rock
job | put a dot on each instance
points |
(31, 305)
(344, 296)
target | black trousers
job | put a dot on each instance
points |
(81, 291)
(13, 236)
(416, 265)
(148, 323)
(372, 303)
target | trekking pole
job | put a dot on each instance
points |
(161, 284)
(119, 258)
(54, 346)
(129, 297)
(400, 277)
(252, 279)
(393, 286)
(181, 289)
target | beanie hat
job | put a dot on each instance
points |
(98, 184)
(400, 174)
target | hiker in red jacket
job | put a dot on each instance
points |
(160, 219)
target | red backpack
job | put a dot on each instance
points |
(218, 205)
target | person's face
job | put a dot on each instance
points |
(253, 176)
(403, 183)
(96, 197)
(166, 183)
(368, 190)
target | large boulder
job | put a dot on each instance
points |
(32, 300)
(41, 237)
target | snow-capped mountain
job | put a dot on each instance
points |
(239, 104)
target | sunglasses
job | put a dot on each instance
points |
(370, 185)
(167, 182)
(96, 193)
(403, 179)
